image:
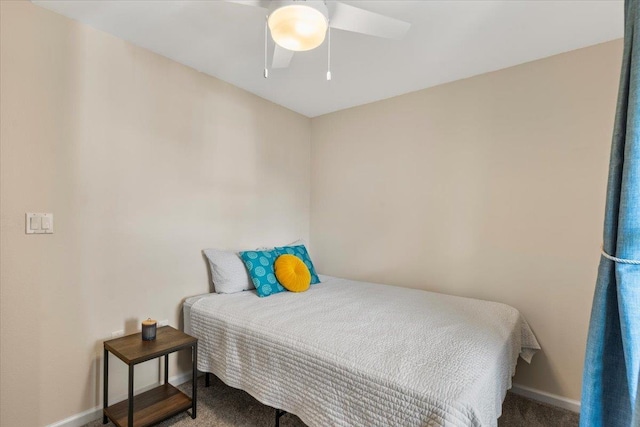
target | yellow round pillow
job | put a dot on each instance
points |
(292, 273)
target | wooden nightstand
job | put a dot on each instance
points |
(160, 402)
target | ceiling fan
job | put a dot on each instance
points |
(302, 25)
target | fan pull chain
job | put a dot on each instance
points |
(329, 54)
(266, 36)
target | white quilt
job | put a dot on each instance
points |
(349, 353)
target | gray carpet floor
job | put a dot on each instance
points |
(223, 406)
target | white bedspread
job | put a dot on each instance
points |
(349, 353)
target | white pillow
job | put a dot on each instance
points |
(228, 272)
(299, 242)
(296, 243)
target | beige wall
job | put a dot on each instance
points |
(491, 187)
(143, 162)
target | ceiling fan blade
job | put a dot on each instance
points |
(281, 57)
(349, 18)
(257, 3)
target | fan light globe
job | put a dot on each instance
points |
(298, 27)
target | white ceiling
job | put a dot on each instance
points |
(448, 40)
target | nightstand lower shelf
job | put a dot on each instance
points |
(150, 407)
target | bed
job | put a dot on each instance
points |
(348, 353)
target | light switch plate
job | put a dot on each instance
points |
(35, 223)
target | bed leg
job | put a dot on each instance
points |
(207, 379)
(279, 413)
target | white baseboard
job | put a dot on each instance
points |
(548, 398)
(78, 420)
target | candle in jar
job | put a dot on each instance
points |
(149, 330)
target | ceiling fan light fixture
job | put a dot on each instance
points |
(299, 27)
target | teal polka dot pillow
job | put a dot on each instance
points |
(301, 252)
(260, 267)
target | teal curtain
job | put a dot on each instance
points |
(612, 362)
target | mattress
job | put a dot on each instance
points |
(186, 311)
(349, 353)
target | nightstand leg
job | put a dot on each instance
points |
(130, 414)
(166, 369)
(194, 389)
(105, 386)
